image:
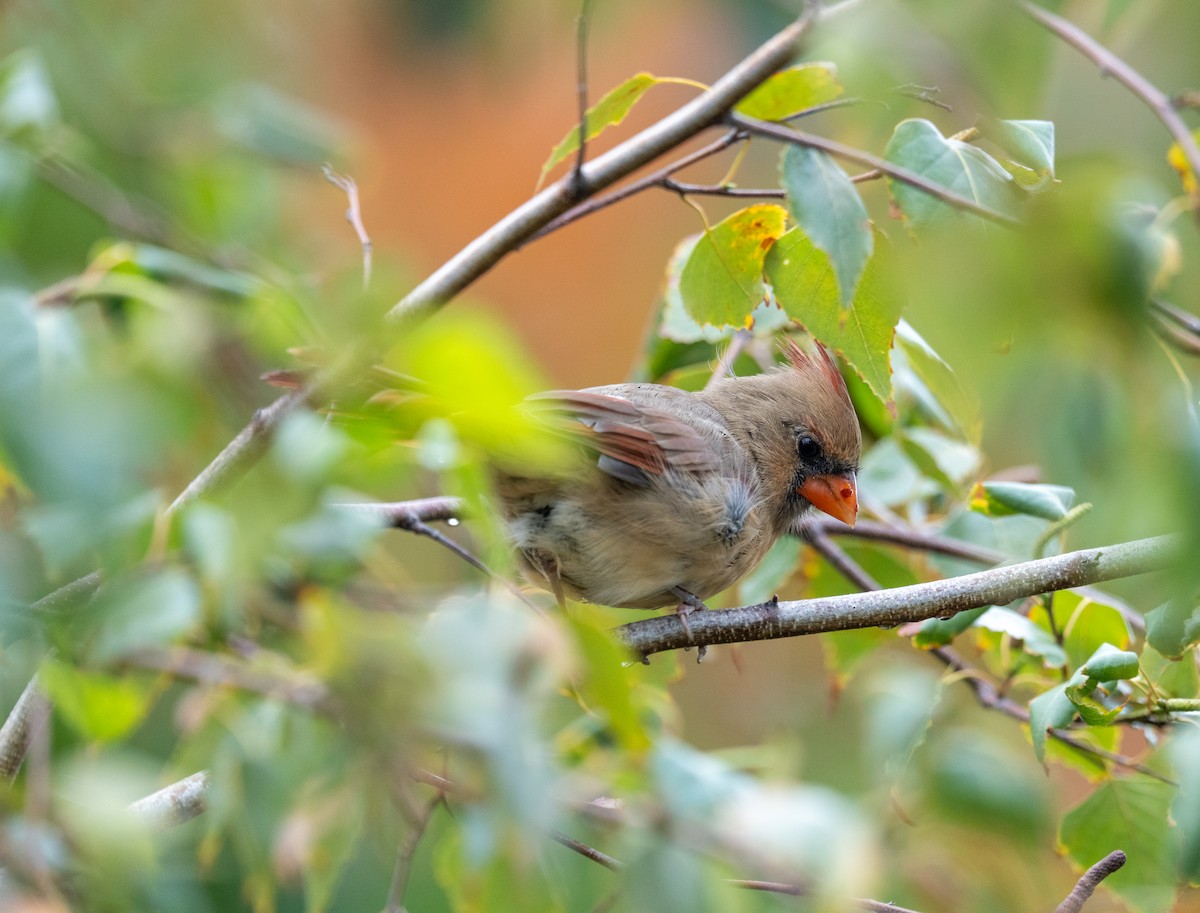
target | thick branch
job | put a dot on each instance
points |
(1112, 65)
(702, 112)
(887, 608)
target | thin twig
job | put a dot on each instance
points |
(349, 187)
(843, 563)
(402, 513)
(588, 852)
(1089, 881)
(217, 669)
(405, 854)
(841, 150)
(938, 598)
(1112, 65)
(578, 182)
(988, 696)
(904, 536)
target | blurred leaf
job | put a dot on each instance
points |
(145, 611)
(1050, 502)
(791, 91)
(666, 878)
(722, 281)
(1031, 143)
(1129, 814)
(943, 459)
(19, 369)
(168, 265)
(900, 710)
(477, 375)
(979, 781)
(1170, 677)
(771, 573)
(961, 406)
(693, 785)
(608, 684)
(103, 708)
(805, 287)
(609, 111)
(967, 170)
(275, 125)
(307, 447)
(1185, 811)
(828, 209)
(1173, 627)
(1037, 640)
(27, 101)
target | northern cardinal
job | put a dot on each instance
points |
(681, 494)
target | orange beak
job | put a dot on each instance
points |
(835, 495)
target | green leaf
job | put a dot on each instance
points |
(1049, 710)
(960, 405)
(1110, 664)
(1093, 711)
(19, 366)
(1170, 677)
(998, 499)
(771, 573)
(967, 170)
(1037, 640)
(791, 91)
(1085, 625)
(936, 632)
(829, 210)
(722, 281)
(1173, 627)
(609, 111)
(1031, 143)
(608, 683)
(1132, 815)
(101, 707)
(1185, 753)
(278, 126)
(806, 289)
(145, 612)
(27, 101)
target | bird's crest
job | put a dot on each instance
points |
(819, 363)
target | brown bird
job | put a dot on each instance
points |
(679, 495)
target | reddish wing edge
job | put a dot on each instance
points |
(646, 438)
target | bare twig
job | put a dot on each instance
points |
(904, 536)
(174, 804)
(401, 514)
(938, 598)
(578, 182)
(588, 852)
(405, 854)
(522, 223)
(1090, 880)
(1112, 65)
(217, 669)
(349, 187)
(841, 150)
(843, 563)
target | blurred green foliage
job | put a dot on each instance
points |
(366, 704)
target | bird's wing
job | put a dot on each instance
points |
(635, 435)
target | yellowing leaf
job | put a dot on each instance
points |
(101, 707)
(722, 280)
(791, 91)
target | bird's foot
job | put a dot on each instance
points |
(689, 603)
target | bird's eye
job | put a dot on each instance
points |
(807, 447)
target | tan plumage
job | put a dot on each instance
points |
(681, 494)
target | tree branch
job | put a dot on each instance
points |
(174, 804)
(1090, 881)
(938, 598)
(701, 112)
(841, 150)
(29, 713)
(1112, 65)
